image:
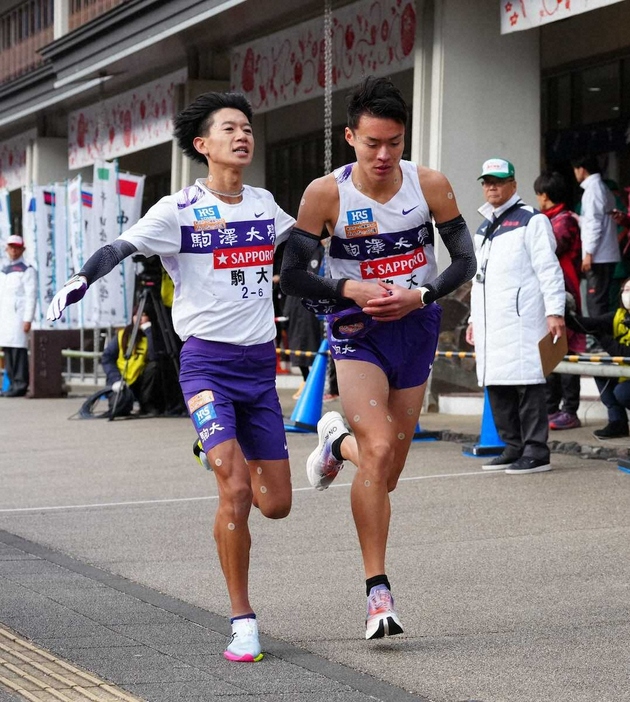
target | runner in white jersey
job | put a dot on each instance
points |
(380, 304)
(216, 239)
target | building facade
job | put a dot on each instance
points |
(87, 79)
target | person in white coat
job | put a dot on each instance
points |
(600, 248)
(18, 295)
(517, 298)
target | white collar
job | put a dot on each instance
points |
(487, 210)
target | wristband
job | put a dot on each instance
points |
(423, 291)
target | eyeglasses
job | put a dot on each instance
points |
(499, 182)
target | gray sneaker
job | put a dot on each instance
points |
(499, 462)
(321, 466)
(525, 464)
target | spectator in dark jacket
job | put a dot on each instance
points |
(612, 330)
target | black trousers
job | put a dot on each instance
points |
(563, 393)
(598, 282)
(16, 367)
(520, 415)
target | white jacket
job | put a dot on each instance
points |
(598, 230)
(18, 295)
(523, 284)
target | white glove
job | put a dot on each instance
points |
(72, 291)
(117, 385)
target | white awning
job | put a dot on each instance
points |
(525, 14)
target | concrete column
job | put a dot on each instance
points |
(61, 13)
(422, 70)
(49, 161)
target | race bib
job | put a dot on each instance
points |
(243, 273)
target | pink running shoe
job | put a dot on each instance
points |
(244, 646)
(381, 619)
(321, 466)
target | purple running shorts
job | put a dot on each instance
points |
(230, 393)
(404, 350)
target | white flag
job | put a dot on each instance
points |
(112, 294)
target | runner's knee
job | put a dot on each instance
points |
(275, 509)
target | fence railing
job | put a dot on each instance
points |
(83, 11)
(29, 26)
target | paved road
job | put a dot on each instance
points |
(510, 588)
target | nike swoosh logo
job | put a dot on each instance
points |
(406, 212)
(259, 215)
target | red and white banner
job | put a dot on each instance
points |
(370, 37)
(525, 14)
(130, 191)
(129, 122)
(13, 160)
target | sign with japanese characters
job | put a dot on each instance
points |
(79, 215)
(129, 122)
(38, 223)
(368, 37)
(525, 14)
(111, 295)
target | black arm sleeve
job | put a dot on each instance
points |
(296, 279)
(458, 242)
(106, 259)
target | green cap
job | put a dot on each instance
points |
(497, 167)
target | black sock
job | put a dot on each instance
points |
(376, 580)
(335, 448)
(251, 615)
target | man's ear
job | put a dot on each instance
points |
(200, 145)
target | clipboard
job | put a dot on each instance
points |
(551, 354)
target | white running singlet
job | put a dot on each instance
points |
(393, 242)
(220, 257)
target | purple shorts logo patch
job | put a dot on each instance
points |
(203, 414)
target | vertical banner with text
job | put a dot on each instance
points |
(112, 295)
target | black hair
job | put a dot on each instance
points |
(588, 162)
(553, 185)
(377, 97)
(196, 119)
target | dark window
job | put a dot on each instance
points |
(600, 93)
(292, 165)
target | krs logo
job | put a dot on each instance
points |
(203, 415)
(207, 212)
(356, 216)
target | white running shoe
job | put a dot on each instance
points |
(244, 646)
(200, 455)
(381, 618)
(321, 466)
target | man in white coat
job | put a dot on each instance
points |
(517, 298)
(18, 295)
